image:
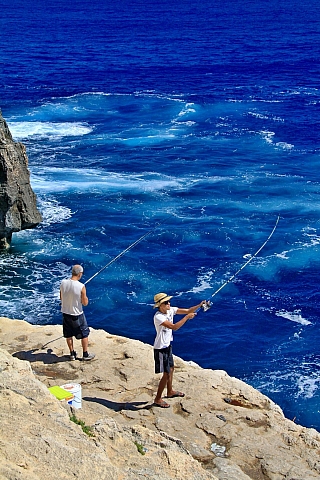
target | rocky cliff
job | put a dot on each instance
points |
(222, 429)
(18, 210)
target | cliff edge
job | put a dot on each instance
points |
(222, 429)
(18, 210)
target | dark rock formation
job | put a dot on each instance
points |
(18, 210)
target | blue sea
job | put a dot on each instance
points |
(197, 123)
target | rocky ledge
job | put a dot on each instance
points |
(222, 429)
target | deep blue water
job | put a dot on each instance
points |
(203, 116)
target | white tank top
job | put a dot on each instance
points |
(71, 296)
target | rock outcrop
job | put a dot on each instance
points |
(222, 429)
(18, 210)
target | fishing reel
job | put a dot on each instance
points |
(206, 305)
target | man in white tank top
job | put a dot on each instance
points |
(73, 297)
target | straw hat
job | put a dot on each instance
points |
(160, 298)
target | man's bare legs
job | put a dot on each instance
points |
(166, 381)
(84, 343)
(70, 343)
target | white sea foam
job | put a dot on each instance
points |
(303, 250)
(23, 130)
(307, 386)
(294, 316)
(258, 115)
(283, 255)
(188, 123)
(261, 100)
(278, 119)
(132, 295)
(37, 287)
(203, 282)
(188, 108)
(263, 116)
(53, 179)
(314, 239)
(268, 136)
(52, 211)
(284, 145)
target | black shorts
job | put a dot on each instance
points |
(75, 326)
(163, 359)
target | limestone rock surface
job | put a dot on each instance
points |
(18, 209)
(221, 429)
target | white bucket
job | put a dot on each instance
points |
(75, 389)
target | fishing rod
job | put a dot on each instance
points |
(43, 346)
(125, 251)
(111, 261)
(207, 305)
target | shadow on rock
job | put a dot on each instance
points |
(117, 406)
(47, 358)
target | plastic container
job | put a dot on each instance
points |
(75, 389)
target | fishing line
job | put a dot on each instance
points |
(125, 251)
(208, 304)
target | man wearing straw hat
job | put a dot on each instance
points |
(163, 358)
